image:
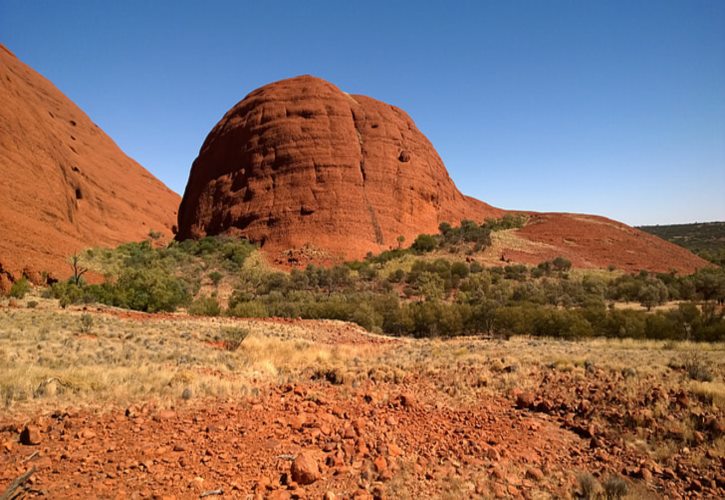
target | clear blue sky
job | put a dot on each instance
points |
(608, 107)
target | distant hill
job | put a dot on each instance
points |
(706, 239)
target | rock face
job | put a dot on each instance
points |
(305, 170)
(65, 184)
(301, 162)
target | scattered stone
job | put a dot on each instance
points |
(407, 400)
(30, 436)
(535, 474)
(525, 399)
(304, 468)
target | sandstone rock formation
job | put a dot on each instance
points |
(301, 162)
(306, 169)
(65, 184)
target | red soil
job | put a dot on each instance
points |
(65, 184)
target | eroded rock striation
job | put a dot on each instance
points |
(301, 162)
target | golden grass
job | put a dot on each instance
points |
(128, 360)
(45, 359)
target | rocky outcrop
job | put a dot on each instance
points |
(300, 162)
(65, 184)
(315, 174)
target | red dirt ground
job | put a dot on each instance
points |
(373, 440)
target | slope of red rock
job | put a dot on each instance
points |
(591, 241)
(301, 162)
(65, 184)
(315, 174)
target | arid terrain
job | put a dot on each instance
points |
(324, 314)
(101, 402)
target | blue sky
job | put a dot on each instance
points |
(615, 108)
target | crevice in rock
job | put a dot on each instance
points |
(379, 238)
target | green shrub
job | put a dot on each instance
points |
(205, 306)
(150, 289)
(19, 288)
(215, 277)
(249, 309)
(425, 243)
(67, 293)
(561, 264)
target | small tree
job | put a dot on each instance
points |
(401, 240)
(78, 270)
(652, 294)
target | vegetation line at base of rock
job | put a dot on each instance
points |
(434, 288)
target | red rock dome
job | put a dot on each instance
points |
(301, 162)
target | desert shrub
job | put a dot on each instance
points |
(215, 277)
(615, 487)
(435, 318)
(32, 304)
(468, 232)
(459, 270)
(430, 285)
(381, 258)
(274, 282)
(662, 327)
(86, 323)
(366, 316)
(529, 292)
(508, 221)
(424, 243)
(476, 267)
(150, 290)
(697, 369)
(396, 276)
(710, 284)
(561, 323)
(589, 487)
(248, 309)
(623, 324)
(233, 338)
(652, 293)
(68, 293)
(205, 306)
(561, 264)
(19, 288)
(516, 272)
